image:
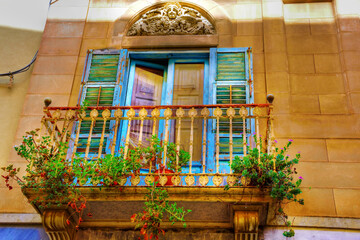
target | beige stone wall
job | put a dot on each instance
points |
(21, 26)
(306, 54)
(322, 117)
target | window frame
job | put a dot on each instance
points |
(125, 74)
(121, 75)
(211, 151)
(168, 83)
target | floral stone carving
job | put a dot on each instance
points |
(171, 19)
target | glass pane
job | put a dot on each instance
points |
(146, 92)
(188, 90)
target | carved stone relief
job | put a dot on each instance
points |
(171, 19)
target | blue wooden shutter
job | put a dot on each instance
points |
(230, 75)
(101, 86)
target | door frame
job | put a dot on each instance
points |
(142, 58)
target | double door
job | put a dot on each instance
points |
(167, 82)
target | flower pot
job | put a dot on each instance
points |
(160, 171)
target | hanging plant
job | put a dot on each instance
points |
(275, 172)
(157, 207)
(57, 178)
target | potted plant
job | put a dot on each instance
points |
(155, 156)
(113, 170)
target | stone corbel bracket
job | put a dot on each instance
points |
(56, 226)
(247, 219)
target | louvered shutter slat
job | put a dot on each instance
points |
(231, 88)
(104, 68)
(231, 67)
(100, 89)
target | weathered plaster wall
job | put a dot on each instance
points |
(306, 54)
(21, 26)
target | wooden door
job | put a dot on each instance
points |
(147, 90)
(188, 90)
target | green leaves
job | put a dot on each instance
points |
(289, 233)
(280, 180)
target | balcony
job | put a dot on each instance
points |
(96, 131)
(222, 128)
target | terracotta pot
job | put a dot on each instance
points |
(169, 182)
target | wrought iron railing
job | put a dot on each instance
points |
(112, 127)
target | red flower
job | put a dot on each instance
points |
(10, 187)
(143, 231)
(133, 218)
(89, 214)
(83, 205)
(67, 222)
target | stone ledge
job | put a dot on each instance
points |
(305, 1)
(170, 41)
(20, 218)
(322, 222)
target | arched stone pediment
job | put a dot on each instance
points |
(171, 18)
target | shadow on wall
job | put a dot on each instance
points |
(18, 48)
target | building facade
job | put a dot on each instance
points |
(304, 52)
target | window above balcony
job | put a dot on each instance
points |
(178, 79)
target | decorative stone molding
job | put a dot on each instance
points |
(55, 225)
(171, 18)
